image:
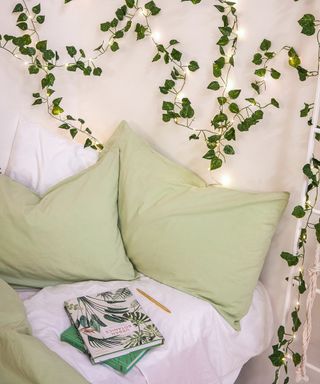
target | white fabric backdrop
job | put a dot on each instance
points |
(268, 158)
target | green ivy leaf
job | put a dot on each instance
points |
(305, 110)
(64, 126)
(296, 358)
(281, 332)
(298, 212)
(223, 41)
(97, 71)
(257, 59)
(215, 163)
(156, 57)
(216, 70)
(307, 22)
(193, 66)
(88, 143)
(71, 51)
(303, 73)
(23, 26)
(167, 106)
(234, 94)
(105, 26)
(118, 35)
(22, 17)
(193, 137)
(317, 229)
(42, 45)
(230, 134)
(141, 31)
(275, 74)
(290, 259)
(18, 8)
(40, 19)
(294, 60)
(214, 85)
(222, 100)
(37, 101)
(265, 45)
(73, 132)
(114, 46)
(277, 357)
(296, 321)
(260, 72)
(220, 8)
(234, 108)
(228, 150)
(36, 9)
(176, 55)
(33, 69)
(151, 6)
(275, 103)
(130, 3)
(56, 110)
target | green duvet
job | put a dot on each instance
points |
(23, 358)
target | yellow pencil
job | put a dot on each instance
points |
(153, 300)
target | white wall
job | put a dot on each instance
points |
(269, 157)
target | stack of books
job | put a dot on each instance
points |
(111, 328)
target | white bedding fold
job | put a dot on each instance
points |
(200, 346)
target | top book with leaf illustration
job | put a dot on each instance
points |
(112, 324)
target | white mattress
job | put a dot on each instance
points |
(200, 346)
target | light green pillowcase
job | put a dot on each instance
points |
(70, 234)
(205, 240)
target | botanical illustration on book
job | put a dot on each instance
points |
(112, 323)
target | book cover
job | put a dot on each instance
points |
(112, 324)
(122, 364)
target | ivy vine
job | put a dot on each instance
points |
(285, 351)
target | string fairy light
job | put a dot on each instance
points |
(225, 180)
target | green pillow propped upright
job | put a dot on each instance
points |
(70, 234)
(205, 240)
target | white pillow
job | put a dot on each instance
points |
(40, 158)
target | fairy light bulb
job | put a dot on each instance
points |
(225, 180)
(230, 85)
(241, 33)
(180, 96)
(156, 36)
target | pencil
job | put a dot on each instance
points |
(154, 301)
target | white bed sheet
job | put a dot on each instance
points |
(200, 346)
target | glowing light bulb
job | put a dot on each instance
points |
(176, 120)
(241, 33)
(110, 42)
(143, 11)
(156, 35)
(180, 96)
(230, 85)
(294, 336)
(26, 63)
(30, 17)
(225, 180)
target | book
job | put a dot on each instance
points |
(112, 324)
(122, 364)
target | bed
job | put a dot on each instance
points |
(221, 317)
(200, 347)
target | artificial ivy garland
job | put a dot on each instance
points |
(231, 117)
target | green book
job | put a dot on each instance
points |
(112, 324)
(122, 363)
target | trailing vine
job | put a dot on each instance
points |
(231, 117)
(284, 351)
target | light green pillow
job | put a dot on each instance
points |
(70, 234)
(205, 240)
